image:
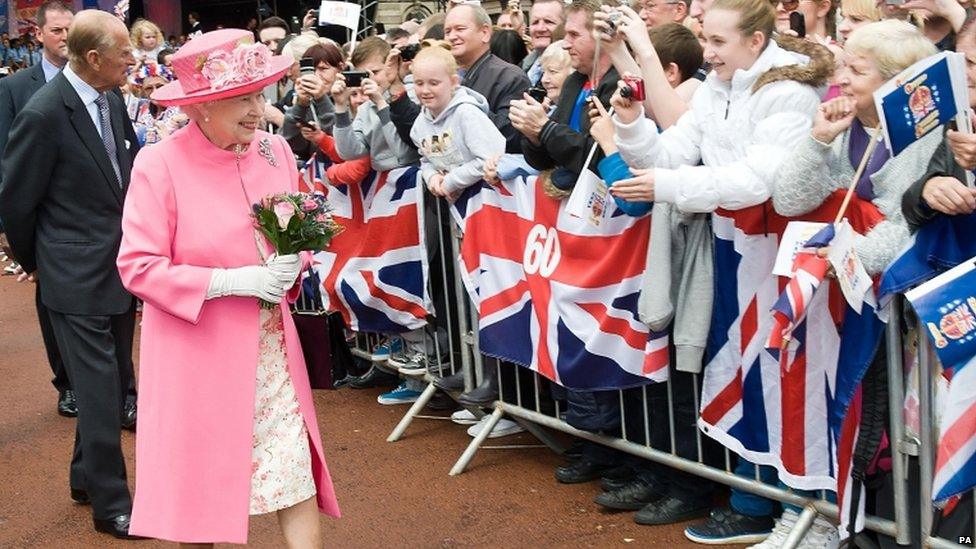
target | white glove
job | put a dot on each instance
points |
(285, 267)
(250, 281)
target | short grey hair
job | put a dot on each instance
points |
(480, 15)
(91, 30)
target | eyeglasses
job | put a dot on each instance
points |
(788, 5)
(652, 5)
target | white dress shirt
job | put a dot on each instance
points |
(88, 96)
(50, 69)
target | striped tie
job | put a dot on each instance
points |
(108, 138)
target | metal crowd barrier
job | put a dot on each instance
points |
(464, 356)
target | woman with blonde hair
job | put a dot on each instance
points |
(147, 40)
(855, 14)
(556, 66)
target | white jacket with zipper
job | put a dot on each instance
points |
(739, 136)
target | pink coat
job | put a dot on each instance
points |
(186, 213)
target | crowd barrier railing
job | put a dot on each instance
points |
(526, 407)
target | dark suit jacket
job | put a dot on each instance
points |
(943, 163)
(60, 202)
(15, 91)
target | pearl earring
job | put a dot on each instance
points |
(206, 119)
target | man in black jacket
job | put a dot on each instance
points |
(468, 29)
(53, 20)
(563, 139)
(66, 171)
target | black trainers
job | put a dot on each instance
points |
(671, 509)
(726, 526)
(633, 496)
(375, 378)
(581, 470)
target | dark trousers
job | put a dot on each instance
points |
(97, 353)
(60, 381)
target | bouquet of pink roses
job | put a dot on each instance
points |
(295, 222)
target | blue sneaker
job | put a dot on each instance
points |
(726, 526)
(390, 345)
(400, 395)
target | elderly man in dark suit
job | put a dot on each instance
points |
(53, 20)
(65, 174)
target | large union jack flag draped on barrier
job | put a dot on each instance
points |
(375, 270)
(790, 418)
(554, 293)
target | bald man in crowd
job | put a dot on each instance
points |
(65, 174)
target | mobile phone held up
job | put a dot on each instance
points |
(409, 51)
(538, 93)
(798, 24)
(354, 79)
(306, 65)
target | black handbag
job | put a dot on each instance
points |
(327, 355)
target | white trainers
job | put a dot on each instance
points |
(503, 428)
(464, 417)
(784, 524)
(822, 535)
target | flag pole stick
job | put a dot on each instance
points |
(857, 174)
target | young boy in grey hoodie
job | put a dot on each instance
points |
(371, 132)
(453, 133)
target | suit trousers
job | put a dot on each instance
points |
(97, 353)
(60, 381)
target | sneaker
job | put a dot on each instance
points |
(10, 269)
(385, 348)
(725, 526)
(822, 535)
(400, 395)
(784, 524)
(503, 428)
(464, 417)
(399, 359)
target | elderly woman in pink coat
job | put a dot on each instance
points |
(226, 423)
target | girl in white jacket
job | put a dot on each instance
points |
(754, 106)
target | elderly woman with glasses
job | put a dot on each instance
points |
(227, 427)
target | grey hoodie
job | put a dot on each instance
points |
(371, 133)
(458, 141)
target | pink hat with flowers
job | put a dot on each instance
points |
(220, 64)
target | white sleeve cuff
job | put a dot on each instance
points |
(666, 184)
(634, 130)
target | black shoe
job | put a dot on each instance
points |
(575, 450)
(375, 378)
(617, 478)
(726, 526)
(80, 496)
(67, 406)
(118, 527)
(440, 402)
(671, 509)
(451, 383)
(631, 497)
(129, 416)
(581, 470)
(482, 396)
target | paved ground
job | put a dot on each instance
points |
(392, 495)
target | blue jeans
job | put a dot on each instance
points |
(747, 503)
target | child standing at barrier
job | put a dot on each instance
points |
(453, 133)
(370, 133)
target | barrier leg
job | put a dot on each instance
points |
(896, 398)
(472, 449)
(412, 413)
(800, 529)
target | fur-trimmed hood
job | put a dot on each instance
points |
(785, 58)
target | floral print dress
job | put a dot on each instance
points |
(281, 461)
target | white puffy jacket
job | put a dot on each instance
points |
(739, 136)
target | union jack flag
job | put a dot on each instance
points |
(955, 464)
(787, 418)
(554, 293)
(375, 270)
